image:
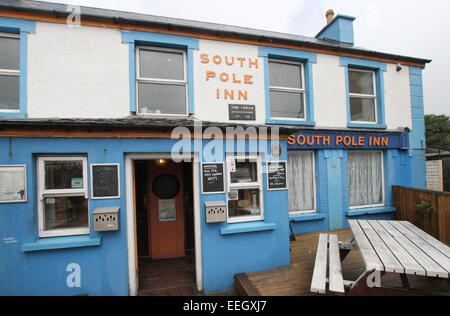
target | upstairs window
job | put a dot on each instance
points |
(287, 90)
(363, 96)
(9, 73)
(161, 81)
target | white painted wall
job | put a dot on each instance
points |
(77, 72)
(207, 106)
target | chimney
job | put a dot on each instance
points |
(339, 28)
(329, 15)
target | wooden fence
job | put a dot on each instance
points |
(434, 218)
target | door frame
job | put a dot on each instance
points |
(131, 219)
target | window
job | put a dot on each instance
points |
(365, 178)
(363, 97)
(245, 198)
(287, 92)
(9, 73)
(161, 81)
(301, 182)
(63, 198)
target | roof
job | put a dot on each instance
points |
(60, 10)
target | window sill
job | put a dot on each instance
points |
(291, 122)
(306, 217)
(12, 115)
(249, 227)
(362, 125)
(61, 243)
(370, 211)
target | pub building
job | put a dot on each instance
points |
(127, 137)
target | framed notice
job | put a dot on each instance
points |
(105, 181)
(277, 175)
(167, 210)
(13, 183)
(213, 178)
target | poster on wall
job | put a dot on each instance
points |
(13, 184)
(105, 181)
(167, 210)
(276, 175)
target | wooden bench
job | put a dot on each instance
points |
(328, 248)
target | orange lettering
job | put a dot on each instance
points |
(326, 140)
(339, 140)
(385, 141)
(291, 140)
(224, 77)
(229, 94)
(217, 93)
(243, 95)
(361, 141)
(235, 80)
(210, 74)
(347, 140)
(253, 63)
(217, 59)
(241, 59)
(248, 79)
(204, 58)
(310, 140)
(376, 141)
(227, 62)
(301, 143)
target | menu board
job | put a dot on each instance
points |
(276, 175)
(105, 181)
(212, 178)
(13, 184)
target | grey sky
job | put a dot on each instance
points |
(408, 27)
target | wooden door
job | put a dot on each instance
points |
(166, 209)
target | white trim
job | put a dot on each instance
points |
(130, 213)
(314, 180)
(92, 182)
(364, 96)
(382, 182)
(10, 35)
(242, 186)
(42, 193)
(140, 79)
(25, 199)
(267, 174)
(223, 171)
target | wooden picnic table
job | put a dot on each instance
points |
(396, 247)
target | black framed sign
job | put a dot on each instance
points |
(105, 181)
(213, 177)
(241, 112)
(277, 175)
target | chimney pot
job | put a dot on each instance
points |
(329, 15)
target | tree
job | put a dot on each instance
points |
(437, 131)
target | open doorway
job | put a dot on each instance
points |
(164, 205)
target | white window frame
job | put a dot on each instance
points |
(364, 96)
(383, 203)
(10, 72)
(314, 181)
(140, 79)
(250, 185)
(290, 90)
(44, 193)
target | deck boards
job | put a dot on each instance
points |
(295, 280)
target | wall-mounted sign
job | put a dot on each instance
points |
(167, 210)
(348, 140)
(213, 178)
(241, 112)
(277, 175)
(105, 181)
(13, 184)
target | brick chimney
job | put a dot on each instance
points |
(329, 15)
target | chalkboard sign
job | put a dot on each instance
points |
(212, 178)
(105, 182)
(276, 175)
(241, 112)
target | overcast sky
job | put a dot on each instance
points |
(414, 28)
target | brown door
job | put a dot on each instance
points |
(166, 209)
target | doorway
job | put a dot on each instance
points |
(165, 240)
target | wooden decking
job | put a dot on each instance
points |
(295, 280)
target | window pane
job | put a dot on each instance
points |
(162, 98)
(9, 93)
(301, 182)
(362, 109)
(246, 171)
(66, 212)
(9, 53)
(248, 204)
(161, 65)
(365, 178)
(63, 175)
(287, 105)
(285, 75)
(361, 82)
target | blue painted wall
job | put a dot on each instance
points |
(104, 267)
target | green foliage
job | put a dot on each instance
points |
(425, 205)
(437, 130)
